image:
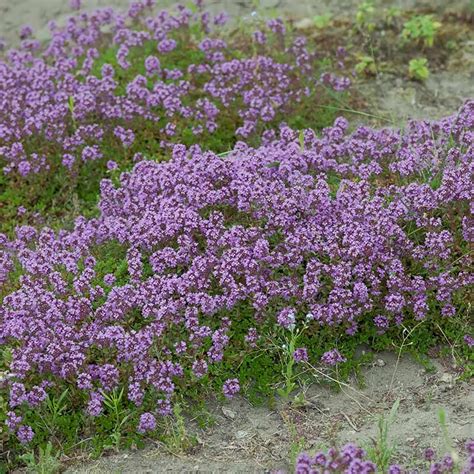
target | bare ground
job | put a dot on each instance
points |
(245, 438)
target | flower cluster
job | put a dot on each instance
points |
(353, 460)
(107, 81)
(332, 357)
(345, 227)
(231, 387)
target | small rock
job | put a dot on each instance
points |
(304, 24)
(228, 413)
(410, 440)
(380, 363)
(241, 434)
(447, 378)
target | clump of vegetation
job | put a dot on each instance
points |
(421, 28)
(108, 89)
(418, 69)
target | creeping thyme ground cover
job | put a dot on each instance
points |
(109, 85)
(344, 232)
(195, 258)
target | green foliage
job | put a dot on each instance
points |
(391, 15)
(288, 362)
(45, 463)
(114, 402)
(447, 440)
(365, 16)
(418, 69)
(175, 437)
(421, 28)
(381, 451)
(297, 442)
(115, 428)
(322, 21)
(366, 65)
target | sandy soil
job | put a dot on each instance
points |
(245, 438)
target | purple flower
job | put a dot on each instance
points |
(447, 462)
(94, 407)
(91, 153)
(164, 407)
(332, 357)
(68, 160)
(252, 337)
(300, 355)
(84, 381)
(24, 168)
(25, 434)
(429, 454)
(469, 340)
(436, 468)
(395, 469)
(13, 420)
(166, 46)
(25, 32)
(286, 318)
(152, 65)
(109, 279)
(147, 423)
(259, 37)
(75, 4)
(126, 136)
(382, 323)
(36, 396)
(277, 26)
(303, 464)
(17, 394)
(470, 446)
(199, 368)
(230, 388)
(111, 165)
(320, 459)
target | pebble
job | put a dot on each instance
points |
(304, 24)
(380, 363)
(241, 434)
(447, 378)
(228, 413)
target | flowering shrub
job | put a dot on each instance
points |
(353, 460)
(344, 231)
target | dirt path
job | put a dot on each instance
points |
(244, 438)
